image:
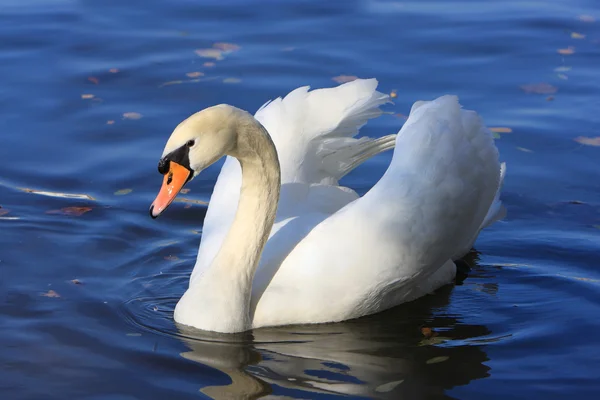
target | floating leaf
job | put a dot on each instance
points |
(226, 46)
(388, 387)
(562, 69)
(76, 282)
(231, 80)
(87, 96)
(523, 149)
(58, 194)
(113, 70)
(210, 53)
(170, 83)
(501, 129)
(50, 293)
(171, 258)
(72, 211)
(575, 35)
(496, 135)
(123, 192)
(539, 88)
(209, 64)
(344, 78)
(110, 122)
(587, 18)
(184, 191)
(195, 74)
(186, 200)
(436, 360)
(3, 211)
(568, 51)
(588, 141)
(132, 115)
(393, 94)
(94, 80)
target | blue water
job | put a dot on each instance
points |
(91, 90)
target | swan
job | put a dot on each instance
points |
(283, 243)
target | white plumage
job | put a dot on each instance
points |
(333, 255)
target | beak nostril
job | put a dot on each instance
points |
(170, 178)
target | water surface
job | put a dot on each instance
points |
(90, 91)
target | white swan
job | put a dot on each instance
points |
(328, 254)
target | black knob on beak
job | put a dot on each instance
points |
(163, 165)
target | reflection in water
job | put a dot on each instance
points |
(380, 356)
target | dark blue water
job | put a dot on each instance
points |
(91, 90)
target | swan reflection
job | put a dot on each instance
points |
(380, 356)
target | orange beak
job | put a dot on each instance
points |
(173, 182)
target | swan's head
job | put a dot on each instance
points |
(194, 145)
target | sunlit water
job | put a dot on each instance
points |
(89, 93)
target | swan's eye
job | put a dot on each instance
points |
(190, 143)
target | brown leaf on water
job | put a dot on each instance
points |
(188, 205)
(217, 54)
(195, 74)
(94, 80)
(58, 194)
(588, 141)
(539, 88)
(501, 129)
(428, 332)
(76, 282)
(586, 18)
(184, 191)
(110, 122)
(170, 83)
(344, 78)
(3, 211)
(226, 46)
(393, 94)
(50, 293)
(549, 98)
(186, 200)
(71, 211)
(575, 35)
(567, 51)
(113, 70)
(232, 80)
(171, 258)
(132, 115)
(209, 64)
(87, 96)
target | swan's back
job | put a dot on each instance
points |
(386, 247)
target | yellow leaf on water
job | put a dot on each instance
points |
(50, 293)
(110, 122)
(76, 282)
(195, 74)
(170, 83)
(132, 115)
(226, 46)
(436, 360)
(588, 141)
(344, 78)
(209, 64)
(500, 129)
(587, 18)
(567, 51)
(231, 80)
(210, 53)
(87, 96)
(393, 94)
(123, 192)
(575, 35)
(113, 70)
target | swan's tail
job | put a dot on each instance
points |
(314, 130)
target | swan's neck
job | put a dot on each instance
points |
(222, 294)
